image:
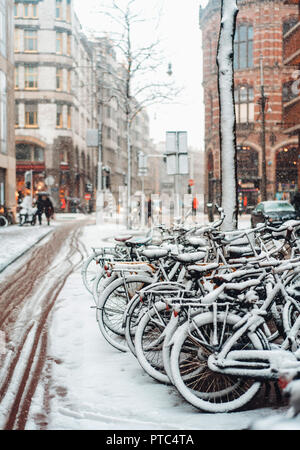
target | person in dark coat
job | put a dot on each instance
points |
(149, 208)
(44, 205)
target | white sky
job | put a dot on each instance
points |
(181, 43)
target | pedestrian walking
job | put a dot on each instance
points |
(195, 205)
(149, 205)
(44, 206)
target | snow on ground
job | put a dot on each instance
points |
(16, 240)
(94, 386)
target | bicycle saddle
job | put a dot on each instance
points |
(155, 253)
(122, 238)
(135, 242)
(189, 257)
(196, 241)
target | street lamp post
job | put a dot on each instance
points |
(99, 201)
(263, 188)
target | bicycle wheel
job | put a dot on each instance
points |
(3, 221)
(136, 309)
(112, 304)
(90, 268)
(149, 341)
(100, 283)
(291, 310)
(290, 315)
(207, 390)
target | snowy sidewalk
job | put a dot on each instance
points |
(16, 240)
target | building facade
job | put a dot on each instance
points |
(54, 102)
(7, 145)
(113, 124)
(291, 58)
(258, 61)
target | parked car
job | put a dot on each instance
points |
(276, 212)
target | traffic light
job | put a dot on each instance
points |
(28, 185)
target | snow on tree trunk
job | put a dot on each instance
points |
(229, 12)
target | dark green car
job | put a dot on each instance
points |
(275, 211)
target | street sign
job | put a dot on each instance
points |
(142, 164)
(87, 196)
(176, 153)
(92, 137)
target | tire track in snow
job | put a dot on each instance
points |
(21, 289)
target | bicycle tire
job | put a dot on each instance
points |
(90, 269)
(136, 309)
(191, 373)
(3, 221)
(112, 331)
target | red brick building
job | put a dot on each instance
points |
(291, 58)
(258, 60)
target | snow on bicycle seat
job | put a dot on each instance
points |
(122, 238)
(190, 257)
(202, 268)
(138, 241)
(155, 253)
(196, 241)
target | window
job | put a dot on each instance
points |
(58, 10)
(31, 77)
(16, 114)
(29, 152)
(59, 79)
(38, 154)
(69, 118)
(16, 9)
(289, 24)
(17, 39)
(30, 40)
(243, 47)
(17, 77)
(288, 93)
(34, 11)
(59, 116)
(68, 11)
(3, 113)
(26, 13)
(59, 42)
(31, 115)
(69, 81)
(68, 44)
(2, 27)
(244, 104)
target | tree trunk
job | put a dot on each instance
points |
(229, 12)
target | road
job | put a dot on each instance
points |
(27, 297)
